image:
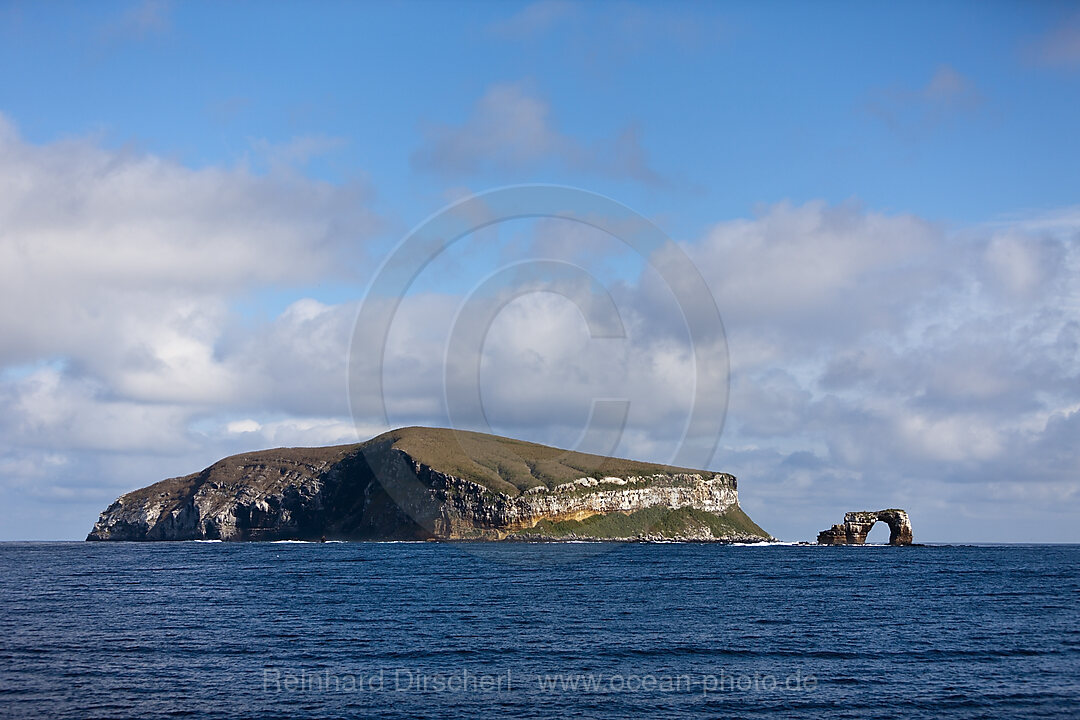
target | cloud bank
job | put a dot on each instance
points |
(877, 359)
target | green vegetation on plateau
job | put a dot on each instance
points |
(507, 465)
(651, 521)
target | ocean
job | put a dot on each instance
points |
(432, 630)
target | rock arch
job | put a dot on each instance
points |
(856, 525)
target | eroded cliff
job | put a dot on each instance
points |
(423, 483)
(856, 527)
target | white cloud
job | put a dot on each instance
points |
(912, 112)
(878, 359)
(128, 262)
(1021, 265)
(52, 411)
(73, 211)
(118, 275)
(511, 130)
(239, 427)
(881, 359)
(809, 257)
(300, 432)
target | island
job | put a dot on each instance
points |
(421, 483)
(856, 527)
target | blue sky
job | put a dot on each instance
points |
(734, 104)
(883, 199)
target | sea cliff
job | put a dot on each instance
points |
(425, 483)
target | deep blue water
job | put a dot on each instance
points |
(101, 630)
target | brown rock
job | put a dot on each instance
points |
(413, 483)
(856, 526)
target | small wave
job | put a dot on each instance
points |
(574, 542)
(767, 543)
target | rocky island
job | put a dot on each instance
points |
(432, 484)
(856, 527)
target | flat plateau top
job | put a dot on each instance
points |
(509, 465)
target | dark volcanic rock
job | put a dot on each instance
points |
(414, 483)
(856, 526)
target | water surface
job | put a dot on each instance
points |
(423, 630)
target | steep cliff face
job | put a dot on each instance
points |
(420, 483)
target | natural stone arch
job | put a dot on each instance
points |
(856, 526)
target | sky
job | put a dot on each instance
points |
(881, 202)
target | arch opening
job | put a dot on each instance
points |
(879, 534)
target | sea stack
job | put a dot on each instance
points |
(856, 526)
